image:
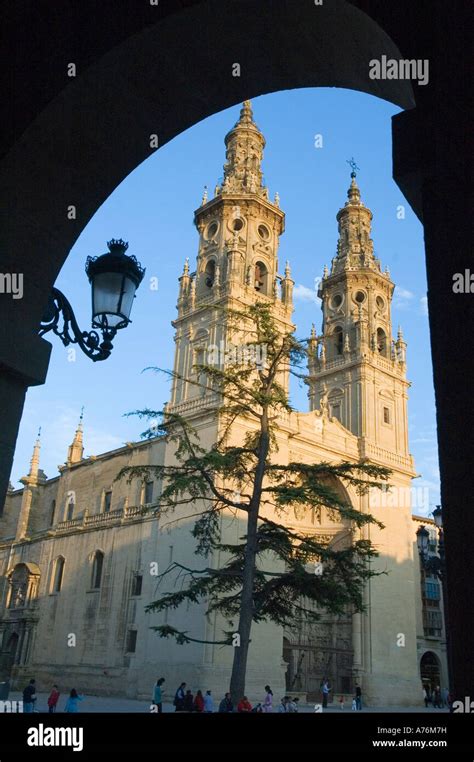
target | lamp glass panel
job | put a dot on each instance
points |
(109, 299)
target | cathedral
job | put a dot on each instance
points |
(79, 553)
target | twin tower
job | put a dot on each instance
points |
(357, 371)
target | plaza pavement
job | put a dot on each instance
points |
(97, 704)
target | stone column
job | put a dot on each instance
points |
(357, 643)
(431, 167)
(24, 358)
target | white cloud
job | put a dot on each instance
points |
(424, 305)
(403, 293)
(304, 294)
(426, 463)
(58, 432)
(402, 298)
(100, 441)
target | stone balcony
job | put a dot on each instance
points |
(374, 452)
(195, 405)
(119, 516)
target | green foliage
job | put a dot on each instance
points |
(247, 481)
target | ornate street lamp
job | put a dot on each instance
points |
(114, 277)
(438, 520)
(431, 564)
(422, 540)
(438, 517)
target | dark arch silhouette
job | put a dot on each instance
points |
(143, 71)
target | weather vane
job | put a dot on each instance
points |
(353, 166)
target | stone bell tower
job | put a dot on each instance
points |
(237, 260)
(357, 375)
(357, 372)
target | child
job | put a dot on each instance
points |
(341, 702)
(199, 702)
(208, 702)
(354, 705)
(53, 699)
(293, 705)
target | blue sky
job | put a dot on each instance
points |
(153, 210)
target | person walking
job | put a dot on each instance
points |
(188, 701)
(208, 703)
(226, 704)
(268, 700)
(358, 696)
(29, 696)
(437, 701)
(157, 698)
(445, 694)
(179, 698)
(427, 697)
(199, 702)
(72, 704)
(325, 689)
(450, 700)
(53, 699)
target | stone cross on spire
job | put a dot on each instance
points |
(353, 166)
(355, 247)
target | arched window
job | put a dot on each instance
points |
(381, 342)
(199, 357)
(70, 509)
(261, 277)
(107, 501)
(201, 378)
(58, 575)
(52, 512)
(148, 492)
(338, 340)
(210, 273)
(97, 567)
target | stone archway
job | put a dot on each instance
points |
(147, 79)
(430, 670)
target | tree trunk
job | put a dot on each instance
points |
(239, 666)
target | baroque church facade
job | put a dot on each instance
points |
(79, 554)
